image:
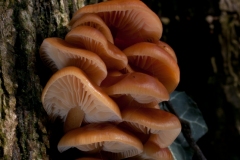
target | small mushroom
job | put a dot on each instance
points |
(151, 59)
(130, 21)
(141, 87)
(153, 151)
(70, 95)
(93, 40)
(116, 142)
(93, 20)
(57, 54)
(163, 127)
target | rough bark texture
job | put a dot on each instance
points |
(230, 49)
(24, 127)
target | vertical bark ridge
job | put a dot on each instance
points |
(8, 116)
(25, 131)
(230, 50)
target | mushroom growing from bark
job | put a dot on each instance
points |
(152, 151)
(151, 59)
(162, 126)
(132, 25)
(93, 20)
(106, 137)
(142, 87)
(129, 21)
(93, 40)
(70, 95)
(57, 54)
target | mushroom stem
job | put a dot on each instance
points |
(74, 119)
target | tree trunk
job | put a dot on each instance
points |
(24, 127)
(230, 49)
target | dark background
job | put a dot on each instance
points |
(196, 44)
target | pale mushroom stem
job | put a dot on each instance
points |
(74, 119)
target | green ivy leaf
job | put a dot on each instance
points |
(187, 110)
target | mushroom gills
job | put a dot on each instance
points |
(57, 54)
(69, 88)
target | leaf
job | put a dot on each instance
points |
(187, 110)
(179, 152)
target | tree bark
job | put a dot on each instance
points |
(25, 131)
(230, 49)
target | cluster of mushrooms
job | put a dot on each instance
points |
(110, 73)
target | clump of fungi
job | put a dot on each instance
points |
(110, 73)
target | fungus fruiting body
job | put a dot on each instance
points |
(152, 59)
(128, 21)
(109, 75)
(142, 87)
(91, 39)
(102, 137)
(70, 89)
(163, 125)
(93, 20)
(57, 54)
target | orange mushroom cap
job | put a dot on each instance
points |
(153, 151)
(163, 126)
(93, 40)
(93, 20)
(151, 59)
(57, 54)
(129, 21)
(70, 88)
(142, 87)
(167, 48)
(102, 136)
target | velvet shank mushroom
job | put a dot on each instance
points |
(93, 20)
(57, 54)
(113, 50)
(70, 95)
(162, 126)
(102, 137)
(142, 87)
(153, 151)
(129, 21)
(93, 40)
(151, 59)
